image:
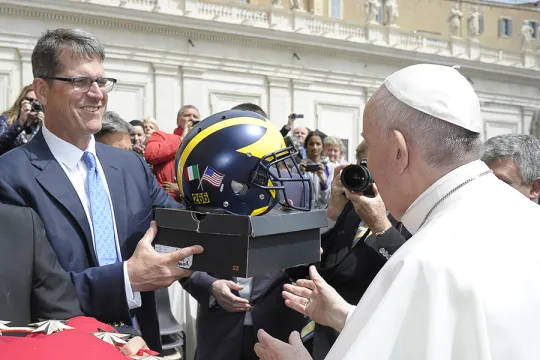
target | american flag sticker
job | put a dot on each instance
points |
(211, 176)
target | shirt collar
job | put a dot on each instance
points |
(64, 152)
(415, 214)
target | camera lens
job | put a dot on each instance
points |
(357, 178)
(36, 106)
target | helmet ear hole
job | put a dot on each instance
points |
(239, 188)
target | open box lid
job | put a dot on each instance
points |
(275, 222)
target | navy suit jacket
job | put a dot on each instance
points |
(219, 332)
(30, 176)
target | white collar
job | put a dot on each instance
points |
(415, 214)
(64, 152)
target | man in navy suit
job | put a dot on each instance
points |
(95, 201)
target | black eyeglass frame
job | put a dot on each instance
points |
(74, 79)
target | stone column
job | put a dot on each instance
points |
(167, 94)
(26, 66)
(193, 90)
(279, 100)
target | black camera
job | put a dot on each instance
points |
(358, 178)
(36, 106)
(296, 116)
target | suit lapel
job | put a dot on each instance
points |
(115, 181)
(55, 181)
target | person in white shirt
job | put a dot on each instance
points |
(95, 201)
(463, 287)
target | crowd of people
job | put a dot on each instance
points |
(420, 269)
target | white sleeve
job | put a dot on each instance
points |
(349, 314)
(418, 309)
(133, 298)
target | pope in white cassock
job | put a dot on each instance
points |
(466, 286)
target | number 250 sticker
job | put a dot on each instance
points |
(201, 198)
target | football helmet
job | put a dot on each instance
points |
(237, 161)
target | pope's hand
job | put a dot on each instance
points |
(317, 300)
(269, 348)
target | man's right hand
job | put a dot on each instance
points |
(221, 289)
(149, 270)
(338, 200)
(290, 122)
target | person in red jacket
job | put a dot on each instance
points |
(161, 149)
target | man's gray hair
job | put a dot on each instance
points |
(524, 150)
(46, 54)
(184, 108)
(113, 123)
(441, 143)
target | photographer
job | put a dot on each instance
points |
(317, 169)
(21, 122)
(361, 240)
(299, 132)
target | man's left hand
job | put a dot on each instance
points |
(270, 348)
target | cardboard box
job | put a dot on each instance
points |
(242, 246)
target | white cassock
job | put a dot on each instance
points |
(466, 286)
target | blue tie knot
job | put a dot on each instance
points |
(89, 160)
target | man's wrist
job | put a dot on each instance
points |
(380, 227)
(333, 210)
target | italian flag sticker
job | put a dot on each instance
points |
(191, 173)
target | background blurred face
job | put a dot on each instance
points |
(117, 139)
(300, 134)
(506, 170)
(149, 128)
(188, 116)
(333, 152)
(315, 147)
(137, 135)
(71, 114)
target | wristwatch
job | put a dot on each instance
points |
(379, 234)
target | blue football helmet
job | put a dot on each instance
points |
(236, 161)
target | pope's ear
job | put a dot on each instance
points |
(41, 89)
(400, 155)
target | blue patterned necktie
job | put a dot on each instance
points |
(101, 214)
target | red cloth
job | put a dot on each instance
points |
(77, 344)
(160, 151)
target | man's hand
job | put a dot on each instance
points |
(221, 289)
(290, 122)
(317, 300)
(338, 200)
(370, 209)
(149, 270)
(269, 348)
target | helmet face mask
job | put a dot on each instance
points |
(235, 162)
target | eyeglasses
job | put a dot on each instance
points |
(83, 84)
